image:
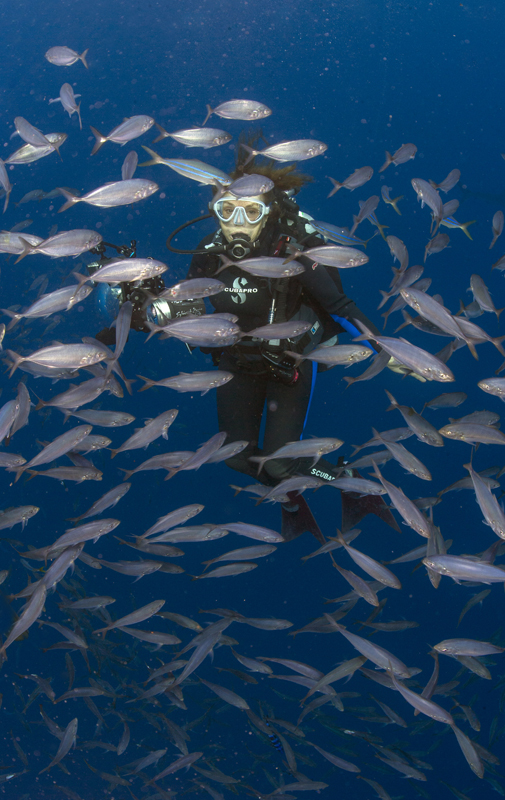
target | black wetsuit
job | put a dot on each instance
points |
(316, 295)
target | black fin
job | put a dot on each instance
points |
(355, 507)
(296, 522)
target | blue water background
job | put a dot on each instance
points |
(362, 77)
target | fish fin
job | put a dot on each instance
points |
(80, 120)
(163, 134)
(16, 361)
(252, 153)
(498, 312)
(210, 111)
(385, 298)
(148, 383)
(27, 249)
(388, 161)
(299, 520)
(69, 197)
(127, 473)
(498, 340)
(113, 453)
(464, 227)
(394, 403)
(354, 508)
(100, 140)
(395, 201)
(83, 58)
(381, 230)
(336, 187)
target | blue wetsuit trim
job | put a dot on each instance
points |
(352, 329)
(313, 386)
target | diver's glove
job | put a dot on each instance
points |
(280, 367)
(401, 369)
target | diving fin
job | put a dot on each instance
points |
(355, 507)
(299, 519)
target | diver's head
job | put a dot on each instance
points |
(241, 218)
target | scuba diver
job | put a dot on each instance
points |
(266, 380)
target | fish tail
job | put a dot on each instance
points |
(395, 201)
(155, 158)
(381, 230)
(79, 115)
(69, 197)
(461, 309)
(33, 473)
(100, 140)
(40, 405)
(27, 249)
(252, 153)
(394, 403)
(148, 383)
(336, 186)
(498, 312)
(497, 342)
(170, 474)
(387, 162)
(16, 317)
(356, 223)
(7, 195)
(16, 361)
(127, 473)
(209, 112)
(113, 453)
(472, 349)
(163, 134)
(83, 58)
(464, 227)
(385, 298)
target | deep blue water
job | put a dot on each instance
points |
(362, 77)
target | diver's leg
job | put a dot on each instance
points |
(240, 404)
(287, 408)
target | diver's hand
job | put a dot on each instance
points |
(401, 369)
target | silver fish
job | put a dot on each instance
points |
(254, 532)
(77, 396)
(30, 153)
(15, 516)
(464, 569)
(64, 56)
(305, 448)
(195, 382)
(196, 137)
(191, 289)
(201, 455)
(251, 185)
(67, 99)
(204, 331)
(239, 109)
(427, 365)
(403, 154)
(5, 183)
(110, 195)
(297, 150)
(15, 243)
(430, 197)
(149, 433)
(130, 129)
(139, 615)
(489, 505)
(32, 135)
(365, 209)
(127, 270)
(447, 400)
(482, 295)
(129, 166)
(66, 243)
(448, 183)
(227, 571)
(473, 433)
(377, 655)
(408, 510)
(66, 744)
(467, 647)
(422, 429)
(67, 356)
(106, 419)
(405, 458)
(264, 266)
(47, 304)
(497, 227)
(436, 245)
(495, 386)
(358, 178)
(194, 169)
(333, 255)
(344, 354)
